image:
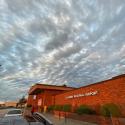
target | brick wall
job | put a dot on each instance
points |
(47, 98)
(110, 91)
(100, 120)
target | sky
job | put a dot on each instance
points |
(72, 42)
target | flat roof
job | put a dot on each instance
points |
(38, 87)
(101, 82)
(113, 78)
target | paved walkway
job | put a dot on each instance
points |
(56, 121)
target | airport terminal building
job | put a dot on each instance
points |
(94, 95)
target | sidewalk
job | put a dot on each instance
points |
(56, 121)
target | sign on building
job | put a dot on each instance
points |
(82, 95)
(34, 97)
(39, 102)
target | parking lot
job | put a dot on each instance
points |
(14, 120)
(20, 120)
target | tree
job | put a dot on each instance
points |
(21, 102)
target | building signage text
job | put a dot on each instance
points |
(82, 95)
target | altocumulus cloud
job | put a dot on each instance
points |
(73, 42)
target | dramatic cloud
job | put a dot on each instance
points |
(73, 42)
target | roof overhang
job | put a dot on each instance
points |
(38, 88)
(36, 91)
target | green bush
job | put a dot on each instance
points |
(66, 108)
(50, 108)
(58, 107)
(110, 110)
(84, 109)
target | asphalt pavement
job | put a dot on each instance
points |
(16, 120)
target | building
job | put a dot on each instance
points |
(41, 95)
(95, 95)
(11, 104)
(2, 104)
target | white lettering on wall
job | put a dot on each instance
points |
(82, 95)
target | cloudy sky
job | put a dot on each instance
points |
(73, 42)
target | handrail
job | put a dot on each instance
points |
(42, 118)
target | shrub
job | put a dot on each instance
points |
(50, 108)
(110, 109)
(66, 108)
(58, 107)
(84, 109)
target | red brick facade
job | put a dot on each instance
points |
(110, 91)
(95, 95)
(44, 94)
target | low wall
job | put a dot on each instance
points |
(100, 120)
